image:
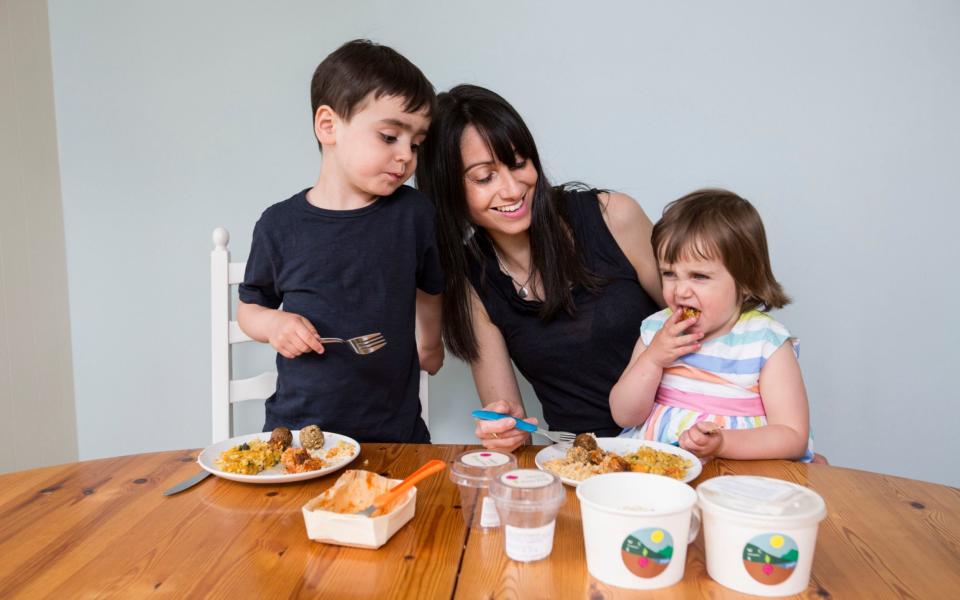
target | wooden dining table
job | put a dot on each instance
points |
(102, 528)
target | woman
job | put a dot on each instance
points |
(556, 279)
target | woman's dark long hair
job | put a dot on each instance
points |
(440, 176)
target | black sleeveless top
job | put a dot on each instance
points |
(572, 362)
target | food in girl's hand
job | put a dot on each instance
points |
(311, 437)
(299, 460)
(249, 458)
(281, 437)
(689, 313)
(580, 463)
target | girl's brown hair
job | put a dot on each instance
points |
(717, 224)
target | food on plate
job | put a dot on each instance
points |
(281, 437)
(689, 312)
(299, 460)
(311, 437)
(355, 491)
(580, 463)
(650, 460)
(249, 458)
(341, 449)
(587, 441)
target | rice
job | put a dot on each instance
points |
(250, 460)
(341, 449)
(649, 460)
(580, 464)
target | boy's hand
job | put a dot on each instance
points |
(670, 343)
(701, 443)
(431, 359)
(503, 434)
(292, 335)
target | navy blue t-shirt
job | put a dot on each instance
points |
(349, 272)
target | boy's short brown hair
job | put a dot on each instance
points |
(359, 67)
(720, 225)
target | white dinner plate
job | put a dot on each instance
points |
(621, 446)
(275, 474)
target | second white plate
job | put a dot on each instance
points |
(621, 446)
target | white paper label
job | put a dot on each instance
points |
(489, 517)
(527, 478)
(529, 543)
(485, 459)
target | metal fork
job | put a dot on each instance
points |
(560, 437)
(363, 344)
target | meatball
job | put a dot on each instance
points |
(596, 456)
(311, 437)
(587, 441)
(614, 464)
(281, 438)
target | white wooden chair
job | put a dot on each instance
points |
(225, 332)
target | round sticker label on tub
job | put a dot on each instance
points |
(526, 478)
(647, 552)
(770, 558)
(485, 459)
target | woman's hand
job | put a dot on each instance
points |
(670, 343)
(701, 443)
(503, 434)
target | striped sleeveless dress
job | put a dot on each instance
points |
(718, 383)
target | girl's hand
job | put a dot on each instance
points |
(292, 335)
(503, 434)
(699, 442)
(670, 343)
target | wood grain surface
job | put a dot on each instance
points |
(884, 537)
(103, 529)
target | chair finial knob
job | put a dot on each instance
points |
(221, 237)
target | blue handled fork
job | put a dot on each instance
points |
(556, 436)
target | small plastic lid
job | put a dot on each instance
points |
(761, 497)
(477, 468)
(528, 490)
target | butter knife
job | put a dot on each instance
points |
(187, 483)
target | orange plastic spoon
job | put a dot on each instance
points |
(434, 466)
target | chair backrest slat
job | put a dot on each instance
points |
(237, 336)
(253, 388)
(236, 272)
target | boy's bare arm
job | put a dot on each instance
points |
(429, 342)
(290, 334)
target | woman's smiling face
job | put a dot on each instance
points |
(499, 196)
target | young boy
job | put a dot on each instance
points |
(354, 254)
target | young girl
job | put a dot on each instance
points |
(711, 372)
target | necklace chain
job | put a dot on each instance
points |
(523, 292)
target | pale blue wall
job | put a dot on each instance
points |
(839, 121)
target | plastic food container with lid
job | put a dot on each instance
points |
(528, 501)
(473, 471)
(760, 533)
(355, 530)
